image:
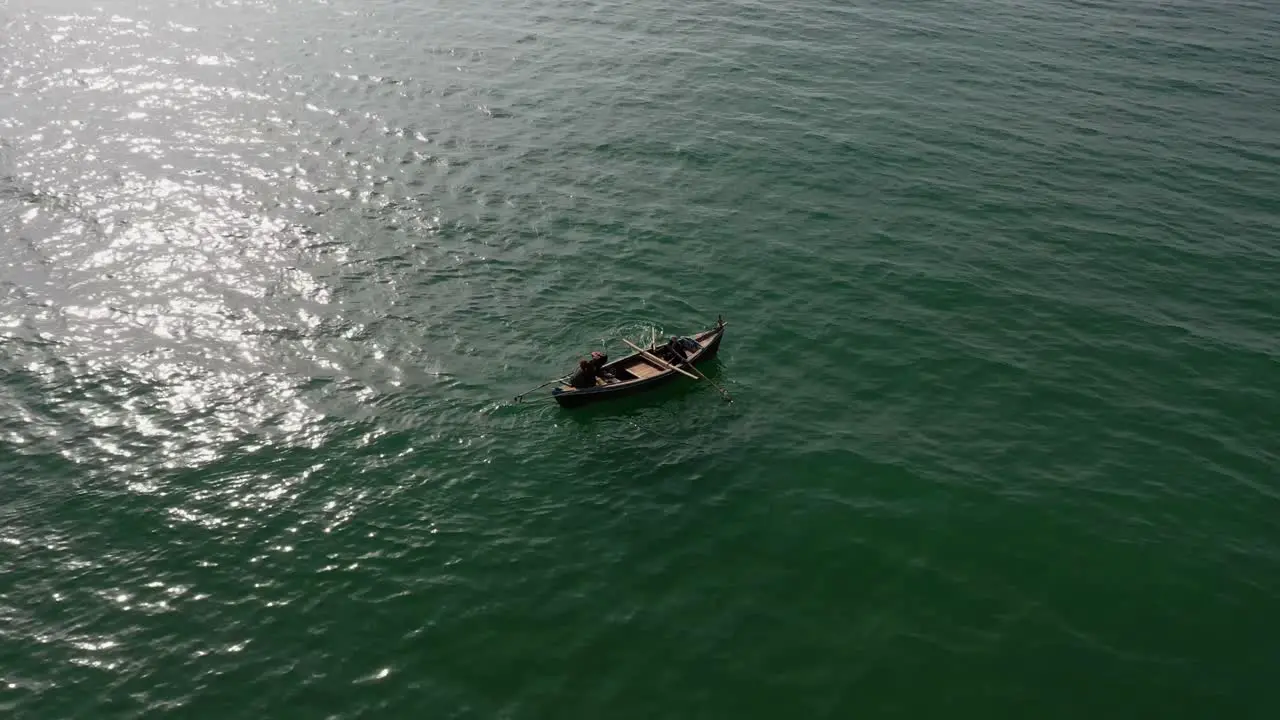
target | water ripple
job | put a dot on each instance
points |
(1002, 288)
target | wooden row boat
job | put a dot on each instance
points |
(641, 371)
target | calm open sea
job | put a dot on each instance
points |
(1002, 280)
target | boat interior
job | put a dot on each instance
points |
(637, 367)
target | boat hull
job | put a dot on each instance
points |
(586, 396)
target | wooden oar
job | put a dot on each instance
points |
(520, 397)
(704, 377)
(659, 361)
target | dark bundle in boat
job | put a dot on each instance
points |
(598, 379)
